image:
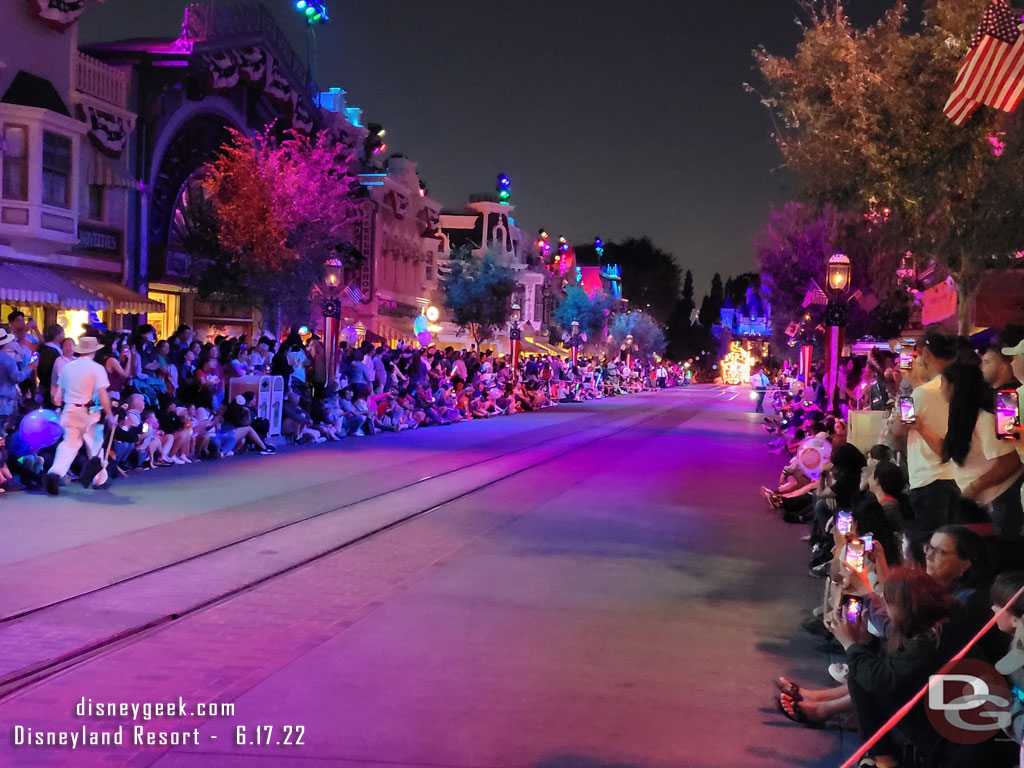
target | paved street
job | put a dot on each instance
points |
(594, 585)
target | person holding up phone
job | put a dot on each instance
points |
(933, 491)
(1016, 352)
(987, 470)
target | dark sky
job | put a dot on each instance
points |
(613, 119)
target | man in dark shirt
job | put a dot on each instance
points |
(53, 337)
(532, 368)
(996, 367)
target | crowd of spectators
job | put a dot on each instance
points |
(175, 403)
(918, 540)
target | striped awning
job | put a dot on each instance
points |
(122, 300)
(103, 171)
(532, 346)
(29, 284)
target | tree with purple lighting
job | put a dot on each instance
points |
(283, 207)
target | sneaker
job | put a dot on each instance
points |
(821, 570)
(52, 484)
(320, 439)
(268, 451)
(229, 454)
(839, 672)
(359, 433)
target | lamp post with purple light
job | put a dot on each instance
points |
(574, 342)
(515, 335)
(837, 285)
(334, 274)
(627, 350)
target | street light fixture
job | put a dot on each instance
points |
(334, 275)
(629, 351)
(837, 285)
(837, 275)
(515, 336)
(574, 342)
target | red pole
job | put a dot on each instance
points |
(514, 336)
(806, 352)
(833, 352)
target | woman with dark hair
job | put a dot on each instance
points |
(922, 636)
(987, 470)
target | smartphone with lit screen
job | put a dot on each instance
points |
(852, 607)
(907, 355)
(853, 554)
(844, 522)
(1007, 414)
(907, 413)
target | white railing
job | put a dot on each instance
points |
(94, 78)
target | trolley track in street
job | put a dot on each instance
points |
(18, 679)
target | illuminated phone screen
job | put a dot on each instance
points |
(1007, 414)
(907, 413)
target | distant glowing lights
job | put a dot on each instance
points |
(504, 189)
(314, 11)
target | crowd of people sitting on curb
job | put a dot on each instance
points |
(172, 400)
(919, 540)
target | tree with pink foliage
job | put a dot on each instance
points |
(282, 208)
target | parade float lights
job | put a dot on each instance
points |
(736, 365)
(504, 189)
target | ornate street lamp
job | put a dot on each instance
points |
(334, 274)
(574, 343)
(837, 287)
(515, 336)
(837, 275)
(629, 351)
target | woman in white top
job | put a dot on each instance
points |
(67, 354)
(987, 470)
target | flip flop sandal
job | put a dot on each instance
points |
(790, 689)
(798, 715)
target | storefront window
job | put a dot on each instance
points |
(56, 170)
(15, 162)
(72, 321)
(36, 313)
(165, 322)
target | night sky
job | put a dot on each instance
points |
(613, 119)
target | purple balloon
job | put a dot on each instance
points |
(424, 338)
(40, 429)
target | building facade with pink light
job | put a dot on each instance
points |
(101, 144)
(68, 196)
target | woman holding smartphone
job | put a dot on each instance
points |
(987, 470)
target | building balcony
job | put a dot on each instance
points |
(40, 166)
(101, 81)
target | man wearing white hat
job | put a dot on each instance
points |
(81, 383)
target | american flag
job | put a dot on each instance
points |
(353, 293)
(993, 70)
